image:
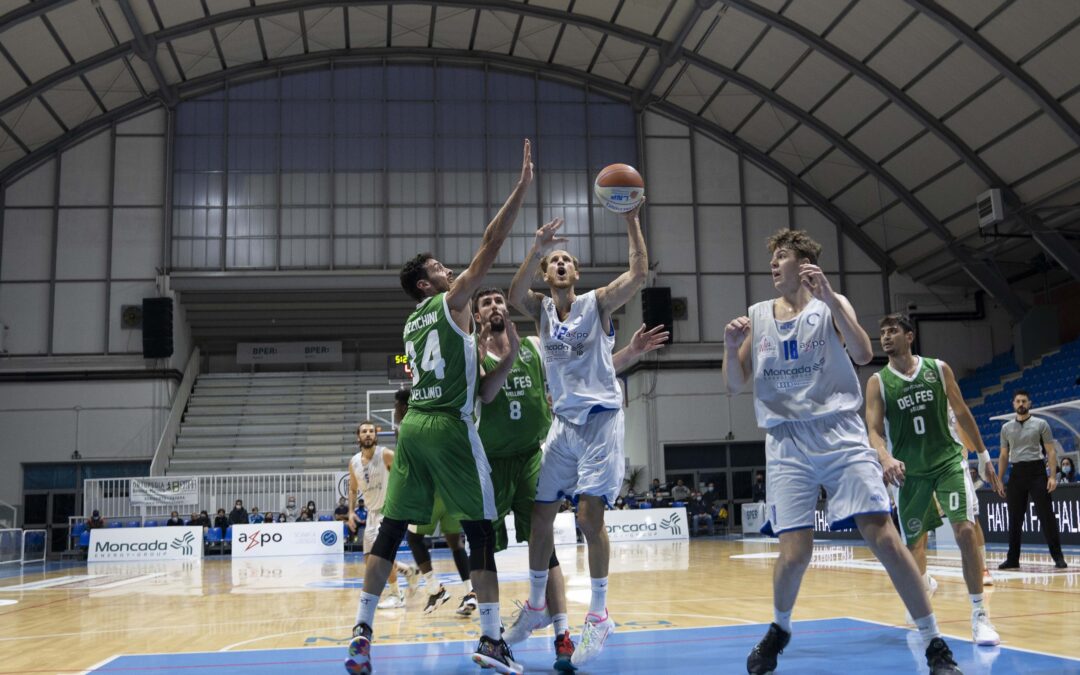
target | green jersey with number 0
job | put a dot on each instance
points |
(917, 419)
(517, 420)
(443, 360)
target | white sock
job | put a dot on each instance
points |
(392, 583)
(928, 629)
(782, 619)
(560, 623)
(490, 623)
(598, 602)
(537, 588)
(468, 585)
(365, 611)
(976, 601)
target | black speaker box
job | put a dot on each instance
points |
(157, 336)
(656, 307)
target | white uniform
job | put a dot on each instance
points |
(371, 479)
(583, 453)
(808, 398)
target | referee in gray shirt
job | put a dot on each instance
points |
(1023, 441)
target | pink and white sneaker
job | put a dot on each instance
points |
(593, 636)
(526, 621)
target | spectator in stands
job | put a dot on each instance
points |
(239, 515)
(361, 513)
(656, 488)
(193, 520)
(305, 516)
(268, 517)
(631, 499)
(255, 517)
(203, 519)
(221, 521)
(620, 504)
(680, 492)
(174, 520)
(342, 510)
(282, 518)
(1066, 471)
(311, 510)
(710, 495)
(699, 515)
(759, 487)
(95, 520)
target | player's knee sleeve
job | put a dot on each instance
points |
(391, 532)
(554, 562)
(419, 549)
(481, 536)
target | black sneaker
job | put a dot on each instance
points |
(496, 654)
(940, 660)
(762, 658)
(436, 600)
(468, 605)
(1060, 563)
(1009, 565)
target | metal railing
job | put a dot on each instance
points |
(164, 449)
(287, 492)
(9, 515)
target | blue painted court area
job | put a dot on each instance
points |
(824, 646)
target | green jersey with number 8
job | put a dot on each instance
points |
(443, 360)
(917, 419)
(517, 419)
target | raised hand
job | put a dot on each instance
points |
(645, 341)
(816, 282)
(736, 332)
(526, 164)
(511, 332)
(632, 214)
(545, 236)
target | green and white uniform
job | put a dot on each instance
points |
(512, 427)
(918, 434)
(438, 448)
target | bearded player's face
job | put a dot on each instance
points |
(491, 310)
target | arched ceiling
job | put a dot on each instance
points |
(889, 115)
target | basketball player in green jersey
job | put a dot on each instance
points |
(438, 447)
(907, 417)
(514, 421)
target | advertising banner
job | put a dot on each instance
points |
(115, 544)
(288, 352)
(565, 530)
(164, 491)
(647, 524)
(1065, 500)
(753, 517)
(268, 539)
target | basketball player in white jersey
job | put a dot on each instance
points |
(368, 471)
(583, 452)
(795, 351)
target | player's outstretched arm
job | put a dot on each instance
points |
(969, 428)
(526, 300)
(494, 235)
(642, 342)
(618, 292)
(491, 383)
(875, 428)
(736, 366)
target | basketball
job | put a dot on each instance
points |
(619, 187)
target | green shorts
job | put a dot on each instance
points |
(918, 511)
(438, 454)
(515, 492)
(446, 523)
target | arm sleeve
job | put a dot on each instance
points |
(1005, 436)
(1047, 434)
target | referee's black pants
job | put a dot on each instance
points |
(1027, 482)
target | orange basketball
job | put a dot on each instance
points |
(619, 187)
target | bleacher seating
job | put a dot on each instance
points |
(1049, 379)
(272, 422)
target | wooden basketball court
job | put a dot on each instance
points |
(73, 618)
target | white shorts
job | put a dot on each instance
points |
(371, 530)
(583, 459)
(832, 452)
